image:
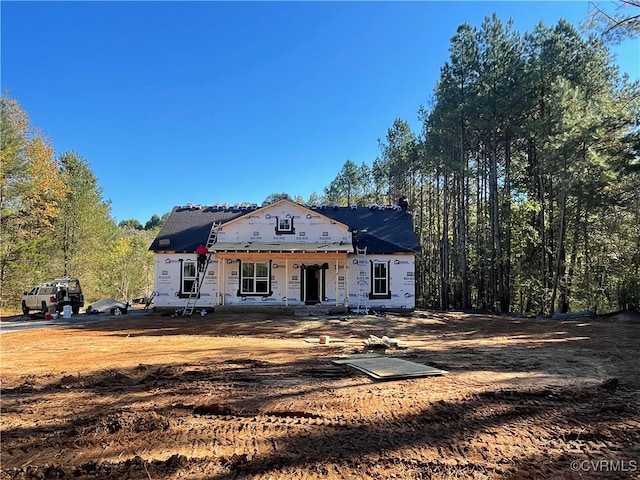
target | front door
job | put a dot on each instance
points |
(312, 290)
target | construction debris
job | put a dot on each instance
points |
(324, 340)
(342, 318)
(385, 342)
(371, 343)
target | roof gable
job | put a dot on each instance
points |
(285, 207)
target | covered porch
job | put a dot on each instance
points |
(288, 275)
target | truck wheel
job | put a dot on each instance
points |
(75, 309)
(25, 309)
(45, 309)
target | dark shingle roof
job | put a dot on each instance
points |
(381, 231)
(188, 227)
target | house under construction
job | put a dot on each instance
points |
(286, 254)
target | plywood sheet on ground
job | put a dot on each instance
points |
(389, 368)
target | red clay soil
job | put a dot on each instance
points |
(245, 396)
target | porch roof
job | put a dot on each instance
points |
(282, 247)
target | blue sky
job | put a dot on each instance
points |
(226, 102)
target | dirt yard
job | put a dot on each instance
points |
(245, 396)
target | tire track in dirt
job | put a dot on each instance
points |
(299, 417)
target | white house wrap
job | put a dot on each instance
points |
(287, 254)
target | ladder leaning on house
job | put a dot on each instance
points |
(194, 294)
(363, 291)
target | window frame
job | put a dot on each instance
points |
(255, 279)
(290, 230)
(377, 279)
(186, 292)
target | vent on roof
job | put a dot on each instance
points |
(354, 206)
(373, 206)
(314, 207)
(164, 242)
(336, 206)
(323, 206)
(248, 206)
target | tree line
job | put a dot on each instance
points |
(55, 221)
(524, 180)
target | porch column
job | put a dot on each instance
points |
(346, 283)
(286, 281)
(221, 287)
(337, 277)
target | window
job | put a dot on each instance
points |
(188, 276)
(188, 279)
(255, 278)
(284, 225)
(380, 280)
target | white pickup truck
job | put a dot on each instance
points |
(57, 293)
